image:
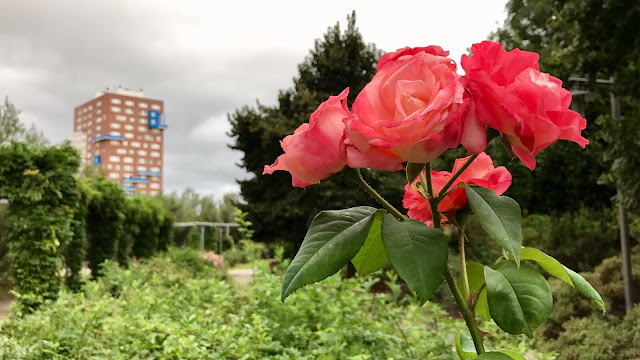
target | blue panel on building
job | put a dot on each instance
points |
(97, 160)
(154, 119)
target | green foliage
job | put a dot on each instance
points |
(333, 239)
(338, 60)
(41, 189)
(11, 129)
(76, 251)
(105, 220)
(168, 308)
(598, 338)
(417, 252)
(146, 220)
(245, 230)
(499, 216)
(519, 298)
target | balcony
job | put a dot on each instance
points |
(149, 173)
(135, 180)
(107, 137)
(127, 187)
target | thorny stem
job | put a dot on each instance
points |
(468, 316)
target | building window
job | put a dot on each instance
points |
(98, 120)
(121, 151)
(116, 101)
(155, 169)
(153, 193)
(99, 111)
(143, 121)
(128, 111)
(128, 160)
(142, 192)
(158, 138)
(155, 131)
(155, 146)
(145, 145)
(113, 175)
(109, 166)
(142, 186)
(114, 158)
(155, 107)
(142, 152)
(127, 168)
(132, 119)
(154, 186)
(114, 126)
(118, 167)
(143, 113)
(129, 103)
(115, 109)
(127, 175)
(128, 127)
(142, 128)
(135, 144)
(98, 128)
(155, 154)
(115, 133)
(143, 105)
(142, 161)
(99, 103)
(142, 168)
(148, 137)
(128, 135)
(121, 118)
(131, 151)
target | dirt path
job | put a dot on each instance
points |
(241, 276)
(5, 308)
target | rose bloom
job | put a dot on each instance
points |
(480, 172)
(529, 108)
(315, 150)
(410, 111)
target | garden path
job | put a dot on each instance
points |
(5, 307)
(241, 276)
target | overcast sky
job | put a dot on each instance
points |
(203, 58)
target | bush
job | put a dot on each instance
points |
(175, 307)
(600, 338)
(104, 222)
(39, 183)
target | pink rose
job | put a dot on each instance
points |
(410, 111)
(529, 108)
(481, 172)
(316, 149)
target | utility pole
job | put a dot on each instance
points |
(623, 221)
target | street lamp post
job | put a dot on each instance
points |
(623, 221)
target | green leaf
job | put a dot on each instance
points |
(494, 355)
(332, 240)
(512, 354)
(372, 255)
(418, 253)
(554, 268)
(464, 346)
(482, 306)
(413, 171)
(519, 298)
(499, 216)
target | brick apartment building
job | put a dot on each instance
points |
(123, 132)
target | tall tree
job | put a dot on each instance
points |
(11, 128)
(338, 60)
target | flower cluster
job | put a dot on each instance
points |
(417, 106)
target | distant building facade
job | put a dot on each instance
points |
(123, 132)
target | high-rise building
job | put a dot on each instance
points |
(123, 132)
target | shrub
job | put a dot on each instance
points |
(39, 183)
(104, 222)
(177, 306)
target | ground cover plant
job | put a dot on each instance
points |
(178, 306)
